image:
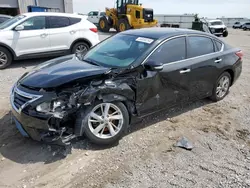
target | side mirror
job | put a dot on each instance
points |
(153, 66)
(19, 28)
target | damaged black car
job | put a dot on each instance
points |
(129, 75)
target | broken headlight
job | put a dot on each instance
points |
(43, 107)
(53, 106)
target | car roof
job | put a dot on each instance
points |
(162, 33)
(6, 16)
(215, 20)
(29, 14)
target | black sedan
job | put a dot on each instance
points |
(132, 74)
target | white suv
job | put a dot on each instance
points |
(45, 34)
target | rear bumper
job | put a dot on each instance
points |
(237, 70)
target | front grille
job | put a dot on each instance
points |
(148, 15)
(20, 99)
(220, 30)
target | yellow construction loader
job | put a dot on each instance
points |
(128, 14)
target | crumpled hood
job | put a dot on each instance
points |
(59, 71)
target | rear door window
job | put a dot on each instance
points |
(218, 45)
(198, 46)
(58, 22)
(74, 21)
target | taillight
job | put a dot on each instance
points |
(239, 54)
(94, 30)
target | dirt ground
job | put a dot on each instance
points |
(145, 157)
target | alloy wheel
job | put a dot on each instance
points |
(222, 87)
(105, 120)
(81, 48)
(3, 58)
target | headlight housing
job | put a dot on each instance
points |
(44, 107)
(52, 106)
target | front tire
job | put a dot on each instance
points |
(5, 58)
(225, 34)
(221, 87)
(104, 123)
(123, 25)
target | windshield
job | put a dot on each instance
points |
(216, 23)
(11, 21)
(118, 51)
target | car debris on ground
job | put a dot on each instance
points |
(183, 142)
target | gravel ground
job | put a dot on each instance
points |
(145, 157)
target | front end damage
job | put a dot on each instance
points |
(52, 117)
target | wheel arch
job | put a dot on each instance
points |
(119, 98)
(12, 52)
(231, 72)
(79, 127)
(81, 40)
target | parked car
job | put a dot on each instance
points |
(94, 16)
(246, 26)
(4, 18)
(237, 25)
(127, 76)
(46, 34)
(218, 28)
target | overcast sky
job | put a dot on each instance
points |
(205, 8)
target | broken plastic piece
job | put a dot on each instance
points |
(184, 143)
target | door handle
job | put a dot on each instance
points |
(185, 71)
(72, 32)
(44, 35)
(218, 60)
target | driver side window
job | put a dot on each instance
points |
(35, 23)
(171, 51)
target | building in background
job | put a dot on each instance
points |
(14, 7)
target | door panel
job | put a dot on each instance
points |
(147, 96)
(205, 71)
(175, 79)
(170, 85)
(205, 66)
(33, 39)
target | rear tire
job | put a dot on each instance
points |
(244, 28)
(103, 136)
(5, 58)
(104, 25)
(80, 48)
(221, 87)
(123, 25)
